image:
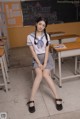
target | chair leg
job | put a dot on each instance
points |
(6, 68)
(52, 74)
(4, 75)
(6, 54)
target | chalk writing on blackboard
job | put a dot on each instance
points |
(51, 9)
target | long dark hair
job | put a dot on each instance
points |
(46, 22)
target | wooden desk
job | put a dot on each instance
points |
(72, 49)
(64, 36)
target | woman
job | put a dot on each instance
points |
(38, 43)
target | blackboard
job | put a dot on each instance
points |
(55, 12)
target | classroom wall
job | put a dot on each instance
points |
(17, 35)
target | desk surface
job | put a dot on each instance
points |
(64, 36)
(68, 46)
(57, 32)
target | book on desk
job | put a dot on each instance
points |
(59, 46)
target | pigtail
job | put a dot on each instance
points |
(35, 36)
(46, 37)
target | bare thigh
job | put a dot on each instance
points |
(46, 73)
(38, 72)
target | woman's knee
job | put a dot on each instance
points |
(45, 74)
(38, 73)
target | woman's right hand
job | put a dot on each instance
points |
(40, 66)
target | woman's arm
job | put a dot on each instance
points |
(46, 52)
(35, 56)
(46, 56)
(29, 43)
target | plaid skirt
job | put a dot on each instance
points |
(50, 63)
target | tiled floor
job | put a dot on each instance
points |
(14, 103)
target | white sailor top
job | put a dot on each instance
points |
(40, 45)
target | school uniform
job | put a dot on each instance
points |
(39, 49)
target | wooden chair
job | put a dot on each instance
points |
(4, 69)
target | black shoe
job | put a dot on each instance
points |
(59, 106)
(31, 108)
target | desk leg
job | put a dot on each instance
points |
(59, 63)
(60, 41)
(76, 64)
(53, 58)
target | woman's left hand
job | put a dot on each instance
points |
(44, 65)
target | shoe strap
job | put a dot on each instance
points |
(58, 99)
(30, 102)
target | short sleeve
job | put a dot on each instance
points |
(29, 41)
(49, 42)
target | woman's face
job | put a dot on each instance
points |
(41, 26)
